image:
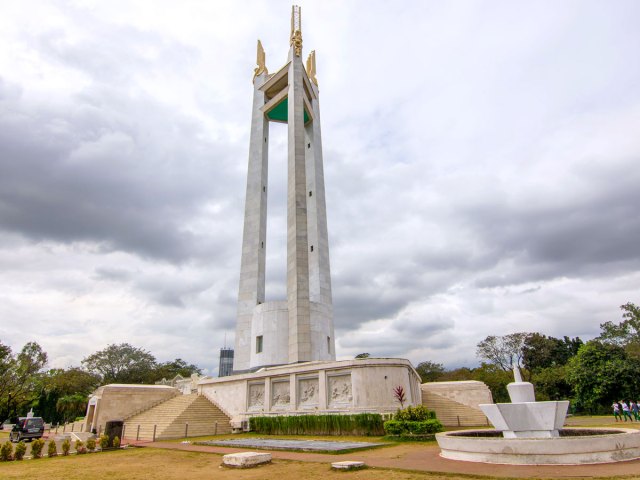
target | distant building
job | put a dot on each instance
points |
(226, 362)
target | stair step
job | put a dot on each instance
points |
(170, 419)
(452, 413)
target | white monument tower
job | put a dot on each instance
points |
(300, 328)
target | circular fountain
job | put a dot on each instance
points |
(530, 433)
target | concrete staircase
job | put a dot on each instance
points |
(452, 413)
(192, 414)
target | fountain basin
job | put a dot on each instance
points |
(573, 446)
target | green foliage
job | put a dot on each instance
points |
(169, 370)
(360, 424)
(64, 384)
(21, 449)
(360, 356)
(6, 451)
(66, 446)
(36, 448)
(551, 383)
(540, 351)
(627, 332)
(104, 441)
(116, 442)
(419, 413)
(121, 363)
(600, 374)
(418, 420)
(20, 378)
(52, 449)
(91, 444)
(125, 363)
(425, 427)
(70, 405)
(429, 371)
(80, 448)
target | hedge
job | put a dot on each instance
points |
(360, 424)
(400, 427)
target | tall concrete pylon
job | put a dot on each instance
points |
(300, 328)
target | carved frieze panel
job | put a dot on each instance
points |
(280, 395)
(256, 396)
(308, 392)
(339, 390)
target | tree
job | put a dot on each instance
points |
(360, 356)
(503, 350)
(429, 371)
(72, 406)
(601, 373)
(169, 370)
(627, 332)
(59, 383)
(540, 351)
(121, 363)
(551, 383)
(21, 378)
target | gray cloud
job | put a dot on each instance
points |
(480, 170)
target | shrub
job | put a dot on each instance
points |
(104, 441)
(6, 451)
(36, 448)
(116, 442)
(52, 449)
(91, 444)
(360, 424)
(419, 413)
(413, 421)
(66, 446)
(80, 448)
(426, 427)
(21, 449)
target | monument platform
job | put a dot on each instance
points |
(334, 387)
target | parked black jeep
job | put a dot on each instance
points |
(27, 428)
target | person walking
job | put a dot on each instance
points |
(617, 414)
(625, 411)
(633, 406)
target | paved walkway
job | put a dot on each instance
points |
(411, 456)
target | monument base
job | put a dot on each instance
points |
(321, 388)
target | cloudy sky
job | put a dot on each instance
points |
(481, 164)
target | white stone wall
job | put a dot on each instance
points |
(348, 386)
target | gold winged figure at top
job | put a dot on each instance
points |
(261, 60)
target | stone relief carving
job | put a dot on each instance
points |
(339, 389)
(308, 388)
(280, 396)
(256, 396)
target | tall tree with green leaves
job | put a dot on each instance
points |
(601, 373)
(429, 371)
(121, 363)
(170, 369)
(626, 333)
(20, 377)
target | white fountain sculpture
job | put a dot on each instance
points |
(532, 434)
(524, 417)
